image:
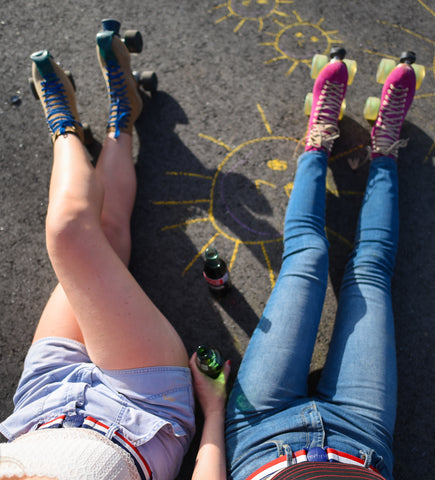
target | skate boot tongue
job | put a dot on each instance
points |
(104, 41)
(42, 62)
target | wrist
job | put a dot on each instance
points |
(217, 414)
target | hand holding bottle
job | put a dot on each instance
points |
(211, 393)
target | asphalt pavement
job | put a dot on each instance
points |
(215, 153)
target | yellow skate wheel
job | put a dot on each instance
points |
(319, 61)
(386, 66)
(342, 109)
(308, 104)
(371, 108)
(351, 70)
(420, 73)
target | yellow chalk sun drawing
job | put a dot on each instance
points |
(296, 42)
(248, 197)
(252, 11)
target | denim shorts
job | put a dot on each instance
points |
(152, 407)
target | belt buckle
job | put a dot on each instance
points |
(317, 454)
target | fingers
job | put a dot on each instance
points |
(211, 393)
(193, 366)
(227, 369)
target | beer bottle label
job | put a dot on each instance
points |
(217, 282)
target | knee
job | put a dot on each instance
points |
(308, 248)
(370, 267)
(309, 260)
(70, 227)
(369, 259)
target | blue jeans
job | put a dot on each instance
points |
(269, 412)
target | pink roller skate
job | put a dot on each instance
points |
(397, 95)
(326, 103)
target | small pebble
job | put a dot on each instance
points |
(16, 100)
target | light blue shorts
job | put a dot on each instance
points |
(152, 407)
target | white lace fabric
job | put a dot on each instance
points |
(66, 454)
(323, 136)
(324, 129)
(329, 103)
(385, 137)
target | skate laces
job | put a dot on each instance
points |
(120, 108)
(323, 128)
(59, 115)
(385, 139)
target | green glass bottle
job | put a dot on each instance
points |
(216, 272)
(209, 360)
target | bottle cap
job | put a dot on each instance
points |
(202, 351)
(212, 257)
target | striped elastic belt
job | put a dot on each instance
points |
(315, 454)
(88, 422)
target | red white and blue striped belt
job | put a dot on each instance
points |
(315, 454)
(90, 423)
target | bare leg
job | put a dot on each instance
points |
(58, 319)
(88, 225)
(119, 179)
(121, 326)
(116, 172)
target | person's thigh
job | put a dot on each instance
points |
(121, 326)
(349, 430)
(276, 364)
(58, 319)
(360, 372)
